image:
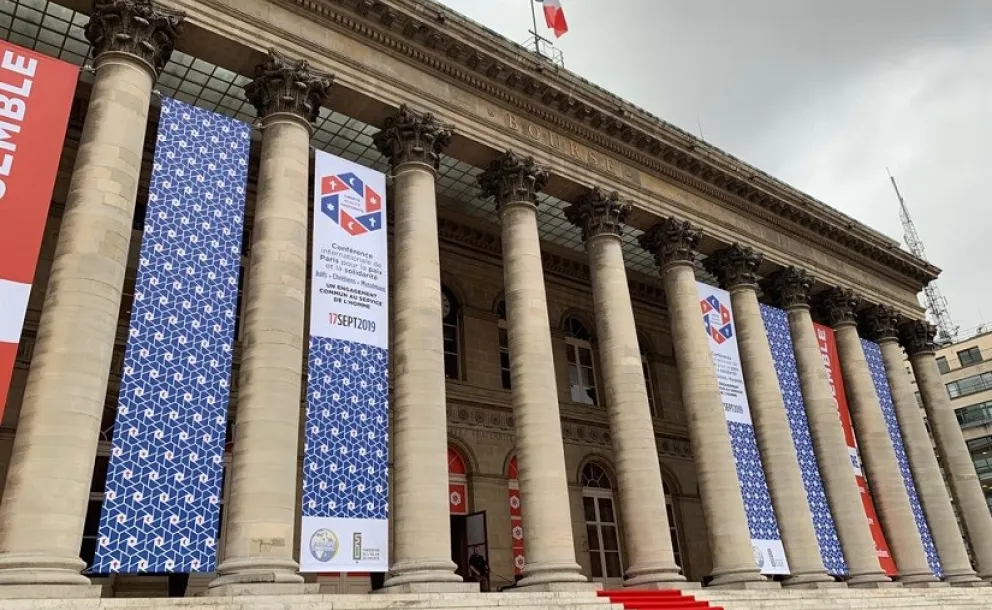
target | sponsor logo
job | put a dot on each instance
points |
(717, 319)
(324, 545)
(356, 546)
(339, 319)
(351, 203)
(759, 557)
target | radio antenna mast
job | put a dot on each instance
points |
(936, 304)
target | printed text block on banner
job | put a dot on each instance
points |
(346, 452)
(780, 341)
(721, 329)
(37, 94)
(161, 507)
(873, 353)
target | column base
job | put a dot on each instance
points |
(555, 577)
(670, 585)
(812, 581)
(262, 588)
(256, 576)
(43, 570)
(657, 578)
(748, 578)
(429, 587)
(926, 584)
(855, 583)
(969, 583)
(964, 579)
(557, 587)
(87, 591)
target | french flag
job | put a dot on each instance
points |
(554, 16)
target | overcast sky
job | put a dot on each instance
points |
(823, 94)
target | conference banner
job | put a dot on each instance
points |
(36, 94)
(161, 507)
(346, 451)
(873, 354)
(721, 331)
(831, 360)
(780, 340)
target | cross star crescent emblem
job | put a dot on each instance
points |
(351, 203)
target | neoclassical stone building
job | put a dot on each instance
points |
(549, 365)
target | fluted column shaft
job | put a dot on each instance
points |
(650, 559)
(261, 518)
(879, 457)
(734, 565)
(513, 182)
(736, 267)
(48, 483)
(843, 494)
(958, 465)
(419, 512)
(926, 471)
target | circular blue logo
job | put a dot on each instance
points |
(324, 545)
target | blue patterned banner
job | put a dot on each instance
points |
(721, 329)
(344, 525)
(780, 340)
(162, 503)
(873, 353)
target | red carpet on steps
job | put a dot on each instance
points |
(656, 600)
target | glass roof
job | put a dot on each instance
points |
(58, 31)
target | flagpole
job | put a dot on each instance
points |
(537, 37)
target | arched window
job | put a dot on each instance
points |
(672, 525)
(457, 483)
(516, 517)
(601, 524)
(648, 380)
(504, 345)
(450, 323)
(581, 371)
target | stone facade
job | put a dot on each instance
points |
(574, 369)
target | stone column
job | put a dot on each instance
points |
(959, 468)
(839, 308)
(261, 526)
(513, 182)
(736, 267)
(421, 531)
(48, 484)
(881, 325)
(650, 560)
(673, 244)
(790, 288)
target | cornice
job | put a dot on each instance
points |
(446, 42)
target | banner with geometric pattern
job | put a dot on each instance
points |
(717, 317)
(780, 340)
(346, 449)
(162, 501)
(873, 353)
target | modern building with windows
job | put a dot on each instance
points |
(554, 397)
(966, 370)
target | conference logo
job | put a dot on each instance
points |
(351, 203)
(324, 545)
(717, 319)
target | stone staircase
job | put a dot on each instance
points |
(700, 599)
(979, 598)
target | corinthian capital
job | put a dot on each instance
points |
(513, 178)
(413, 137)
(136, 27)
(790, 287)
(880, 322)
(599, 213)
(288, 86)
(918, 337)
(735, 266)
(671, 241)
(839, 306)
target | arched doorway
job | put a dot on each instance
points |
(601, 526)
(516, 517)
(457, 483)
(468, 530)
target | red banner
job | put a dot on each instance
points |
(828, 348)
(35, 96)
